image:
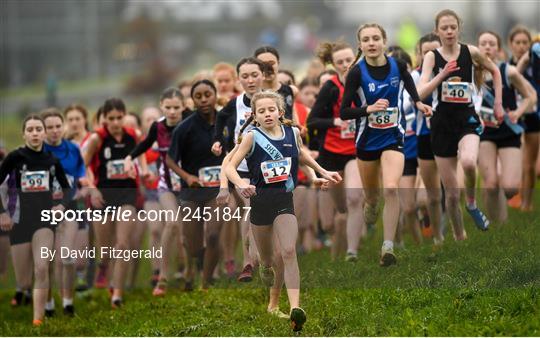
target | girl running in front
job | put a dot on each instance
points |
(199, 172)
(71, 160)
(373, 86)
(171, 104)
(449, 72)
(273, 152)
(337, 150)
(35, 170)
(251, 73)
(426, 159)
(500, 142)
(116, 187)
(520, 45)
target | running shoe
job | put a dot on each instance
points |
(480, 220)
(101, 280)
(515, 202)
(160, 289)
(188, 286)
(230, 269)
(37, 322)
(116, 304)
(371, 213)
(298, 318)
(49, 313)
(267, 275)
(69, 310)
(28, 297)
(387, 257)
(351, 257)
(17, 299)
(246, 275)
(276, 312)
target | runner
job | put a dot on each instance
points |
(269, 148)
(116, 187)
(500, 142)
(233, 116)
(190, 145)
(373, 87)
(337, 153)
(426, 159)
(71, 160)
(34, 170)
(171, 104)
(448, 73)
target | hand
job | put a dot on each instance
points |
(58, 207)
(331, 176)
(128, 163)
(450, 67)
(96, 199)
(380, 105)
(498, 111)
(247, 190)
(424, 108)
(303, 132)
(338, 122)
(223, 196)
(81, 193)
(513, 116)
(131, 173)
(5, 221)
(193, 181)
(321, 183)
(217, 149)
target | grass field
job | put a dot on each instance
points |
(487, 285)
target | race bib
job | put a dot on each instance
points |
(209, 176)
(348, 129)
(115, 170)
(276, 171)
(384, 119)
(488, 117)
(176, 182)
(456, 92)
(35, 181)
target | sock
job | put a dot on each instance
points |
(388, 245)
(351, 252)
(67, 301)
(49, 305)
(471, 203)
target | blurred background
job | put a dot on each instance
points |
(55, 52)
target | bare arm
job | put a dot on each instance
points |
(491, 67)
(242, 150)
(525, 89)
(523, 63)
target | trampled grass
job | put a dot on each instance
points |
(487, 285)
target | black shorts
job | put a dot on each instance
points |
(410, 167)
(265, 207)
(116, 197)
(423, 147)
(448, 128)
(4, 233)
(23, 233)
(333, 162)
(374, 155)
(531, 122)
(507, 142)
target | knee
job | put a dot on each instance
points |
(468, 162)
(155, 233)
(122, 245)
(390, 191)
(409, 208)
(434, 199)
(354, 200)
(68, 261)
(288, 252)
(490, 183)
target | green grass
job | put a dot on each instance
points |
(487, 285)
